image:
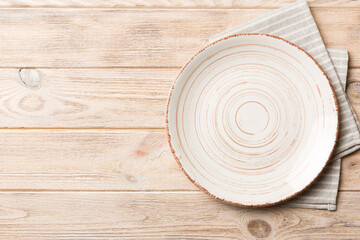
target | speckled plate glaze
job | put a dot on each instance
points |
(252, 119)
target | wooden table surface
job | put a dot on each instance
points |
(83, 87)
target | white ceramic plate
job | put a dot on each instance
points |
(252, 119)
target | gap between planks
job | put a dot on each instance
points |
(107, 191)
(108, 67)
(116, 191)
(170, 4)
(88, 129)
(151, 8)
(119, 67)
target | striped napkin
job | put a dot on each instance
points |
(296, 24)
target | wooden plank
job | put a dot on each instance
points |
(174, 3)
(185, 215)
(351, 164)
(353, 76)
(135, 38)
(103, 160)
(350, 172)
(85, 98)
(95, 98)
(353, 90)
(88, 160)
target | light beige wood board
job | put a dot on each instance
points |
(84, 98)
(95, 98)
(353, 89)
(88, 160)
(103, 160)
(60, 37)
(174, 3)
(185, 215)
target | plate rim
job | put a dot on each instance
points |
(204, 189)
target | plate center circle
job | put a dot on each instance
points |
(252, 117)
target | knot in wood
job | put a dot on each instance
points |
(30, 77)
(259, 228)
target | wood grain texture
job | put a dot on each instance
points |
(353, 89)
(185, 215)
(96, 98)
(103, 160)
(174, 3)
(57, 34)
(134, 38)
(84, 98)
(88, 160)
(350, 172)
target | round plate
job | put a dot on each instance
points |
(252, 119)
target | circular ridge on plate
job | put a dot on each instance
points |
(252, 119)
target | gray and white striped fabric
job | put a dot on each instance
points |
(323, 193)
(296, 24)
